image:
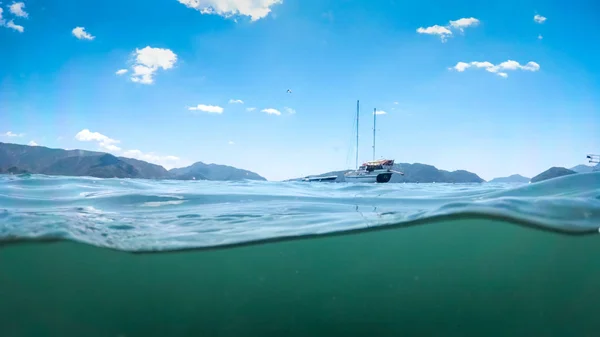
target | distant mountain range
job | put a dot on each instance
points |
(552, 172)
(515, 178)
(200, 170)
(555, 172)
(17, 159)
(419, 173)
(584, 168)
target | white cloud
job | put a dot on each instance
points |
(379, 112)
(271, 111)
(250, 109)
(103, 141)
(231, 142)
(289, 110)
(17, 9)
(110, 147)
(236, 101)
(463, 23)
(12, 25)
(445, 31)
(539, 19)
(496, 69)
(108, 144)
(32, 143)
(461, 66)
(121, 71)
(12, 134)
(167, 162)
(540, 37)
(396, 103)
(80, 33)
(215, 109)
(147, 62)
(86, 135)
(255, 9)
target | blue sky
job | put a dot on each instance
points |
(187, 59)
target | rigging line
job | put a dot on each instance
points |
(352, 146)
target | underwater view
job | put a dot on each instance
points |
(131, 257)
(299, 168)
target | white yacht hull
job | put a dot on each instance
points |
(379, 176)
(371, 178)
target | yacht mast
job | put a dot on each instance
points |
(357, 110)
(374, 124)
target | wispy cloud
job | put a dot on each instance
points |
(271, 111)
(396, 103)
(103, 141)
(11, 24)
(148, 61)
(236, 101)
(108, 144)
(167, 162)
(215, 109)
(231, 142)
(12, 134)
(289, 110)
(463, 23)
(14, 26)
(255, 9)
(80, 33)
(121, 71)
(32, 143)
(499, 69)
(250, 109)
(540, 37)
(539, 19)
(17, 8)
(446, 31)
(443, 32)
(379, 112)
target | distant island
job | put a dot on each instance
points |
(23, 159)
(418, 173)
(515, 178)
(584, 168)
(552, 172)
(19, 159)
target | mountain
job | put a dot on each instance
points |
(583, 168)
(421, 173)
(13, 170)
(16, 159)
(515, 178)
(101, 166)
(147, 170)
(552, 172)
(201, 170)
(35, 158)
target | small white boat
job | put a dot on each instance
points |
(320, 179)
(375, 171)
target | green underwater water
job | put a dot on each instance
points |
(461, 277)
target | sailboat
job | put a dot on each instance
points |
(375, 171)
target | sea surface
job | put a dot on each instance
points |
(124, 257)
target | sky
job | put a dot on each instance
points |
(495, 88)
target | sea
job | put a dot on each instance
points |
(126, 258)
